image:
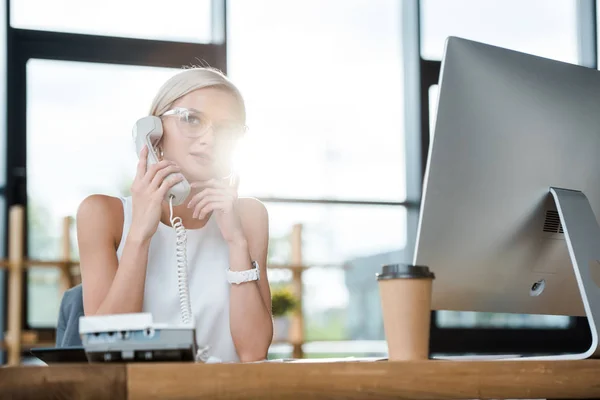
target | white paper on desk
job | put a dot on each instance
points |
(321, 360)
(338, 359)
(477, 357)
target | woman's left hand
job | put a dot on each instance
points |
(220, 198)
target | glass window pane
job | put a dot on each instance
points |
(176, 20)
(335, 233)
(79, 121)
(344, 246)
(433, 102)
(325, 104)
(542, 27)
(464, 319)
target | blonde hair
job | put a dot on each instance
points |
(189, 80)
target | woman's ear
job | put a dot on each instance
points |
(159, 150)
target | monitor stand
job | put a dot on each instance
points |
(582, 235)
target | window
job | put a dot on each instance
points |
(333, 234)
(546, 28)
(79, 121)
(177, 20)
(344, 245)
(325, 102)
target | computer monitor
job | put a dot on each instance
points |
(508, 218)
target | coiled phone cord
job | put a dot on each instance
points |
(182, 276)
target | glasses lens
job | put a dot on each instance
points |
(192, 123)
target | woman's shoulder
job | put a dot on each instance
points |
(252, 209)
(101, 203)
(102, 213)
(254, 217)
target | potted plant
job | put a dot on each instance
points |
(283, 303)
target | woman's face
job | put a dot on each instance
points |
(202, 140)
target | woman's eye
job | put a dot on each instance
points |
(192, 119)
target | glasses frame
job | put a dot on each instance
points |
(178, 111)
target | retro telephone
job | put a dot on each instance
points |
(148, 131)
(136, 337)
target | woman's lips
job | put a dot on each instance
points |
(203, 158)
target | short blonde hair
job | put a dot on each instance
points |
(189, 80)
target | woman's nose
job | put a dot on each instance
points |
(208, 137)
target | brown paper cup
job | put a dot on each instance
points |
(405, 293)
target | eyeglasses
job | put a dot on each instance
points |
(194, 124)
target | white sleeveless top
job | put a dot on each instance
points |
(208, 260)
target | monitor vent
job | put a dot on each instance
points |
(552, 223)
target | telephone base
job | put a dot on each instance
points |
(134, 338)
(150, 355)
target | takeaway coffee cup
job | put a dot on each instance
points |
(405, 292)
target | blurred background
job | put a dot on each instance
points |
(340, 98)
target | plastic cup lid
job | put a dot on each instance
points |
(396, 271)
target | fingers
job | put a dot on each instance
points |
(201, 208)
(141, 166)
(224, 206)
(168, 183)
(162, 174)
(206, 192)
(154, 168)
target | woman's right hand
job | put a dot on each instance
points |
(148, 191)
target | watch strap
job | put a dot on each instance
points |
(248, 275)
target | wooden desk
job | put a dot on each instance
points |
(379, 380)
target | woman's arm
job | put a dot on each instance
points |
(250, 303)
(109, 287)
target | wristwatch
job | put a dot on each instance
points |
(237, 277)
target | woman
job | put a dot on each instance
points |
(127, 246)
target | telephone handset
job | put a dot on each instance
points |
(148, 131)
